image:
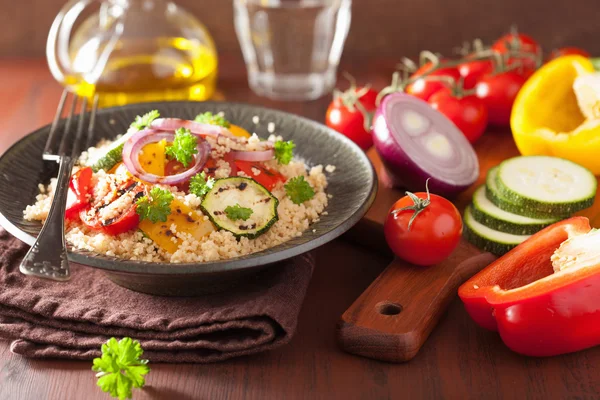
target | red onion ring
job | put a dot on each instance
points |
(264, 155)
(134, 145)
(197, 128)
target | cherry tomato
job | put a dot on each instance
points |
(514, 43)
(468, 113)
(433, 234)
(473, 71)
(498, 92)
(80, 187)
(424, 88)
(566, 51)
(350, 121)
(267, 177)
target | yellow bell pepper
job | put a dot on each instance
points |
(239, 131)
(185, 220)
(153, 158)
(546, 118)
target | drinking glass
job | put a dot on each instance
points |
(292, 47)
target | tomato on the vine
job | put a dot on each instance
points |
(498, 92)
(344, 114)
(425, 87)
(423, 229)
(567, 51)
(522, 49)
(473, 71)
(468, 113)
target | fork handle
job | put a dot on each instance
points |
(47, 258)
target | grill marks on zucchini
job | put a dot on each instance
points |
(247, 193)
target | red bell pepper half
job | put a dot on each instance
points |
(543, 297)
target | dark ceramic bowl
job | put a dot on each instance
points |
(352, 185)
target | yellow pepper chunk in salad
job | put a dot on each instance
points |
(181, 220)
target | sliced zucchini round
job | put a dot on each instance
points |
(547, 184)
(499, 200)
(488, 214)
(241, 192)
(488, 239)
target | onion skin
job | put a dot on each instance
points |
(402, 171)
(197, 128)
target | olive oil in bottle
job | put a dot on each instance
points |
(132, 51)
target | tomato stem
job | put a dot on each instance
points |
(418, 204)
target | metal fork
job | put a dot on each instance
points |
(47, 258)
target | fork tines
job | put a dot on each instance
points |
(63, 139)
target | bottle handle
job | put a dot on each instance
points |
(57, 46)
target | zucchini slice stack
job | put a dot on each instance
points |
(524, 195)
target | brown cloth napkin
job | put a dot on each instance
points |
(47, 319)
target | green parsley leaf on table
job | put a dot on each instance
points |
(200, 184)
(145, 120)
(212, 119)
(299, 190)
(156, 206)
(238, 212)
(120, 368)
(183, 148)
(284, 151)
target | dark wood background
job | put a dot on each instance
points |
(392, 28)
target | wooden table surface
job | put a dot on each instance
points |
(459, 360)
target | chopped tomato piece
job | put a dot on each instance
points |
(266, 177)
(126, 218)
(174, 167)
(80, 187)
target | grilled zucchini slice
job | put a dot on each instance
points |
(247, 193)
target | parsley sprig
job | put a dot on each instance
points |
(238, 212)
(200, 184)
(156, 206)
(145, 120)
(299, 190)
(284, 151)
(183, 148)
(213, 119)
(120, 368)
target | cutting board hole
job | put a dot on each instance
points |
(388, 308)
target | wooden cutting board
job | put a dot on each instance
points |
(394, 316)
(392, 319)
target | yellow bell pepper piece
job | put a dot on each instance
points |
(153, 158)
(546, 119)
(239, 131)
(115, 168)
(185, 220)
